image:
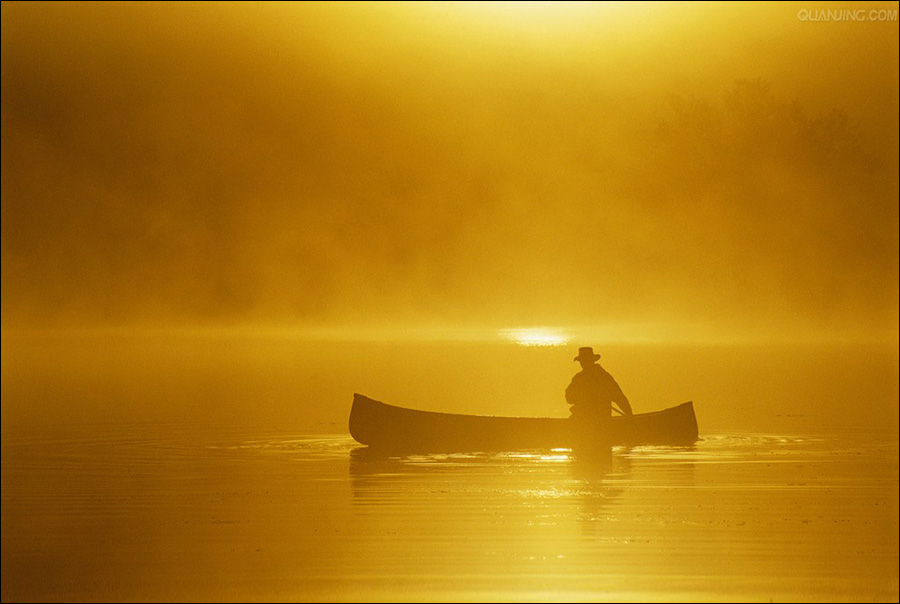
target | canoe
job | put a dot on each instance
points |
(394, 428)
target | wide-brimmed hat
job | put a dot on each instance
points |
(586, 353)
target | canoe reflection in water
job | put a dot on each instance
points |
(512, 492)
(486, 479)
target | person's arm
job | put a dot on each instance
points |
(620, 399)
(571, 393)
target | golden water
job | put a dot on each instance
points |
(173, 480)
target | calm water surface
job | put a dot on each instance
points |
(298, 517)
(118, 506)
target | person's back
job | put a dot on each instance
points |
(593, 389)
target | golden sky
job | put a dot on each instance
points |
(708, 165)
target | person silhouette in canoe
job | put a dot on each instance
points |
(593, 390)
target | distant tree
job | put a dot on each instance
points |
(750, 130)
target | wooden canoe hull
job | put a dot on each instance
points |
(386, 426)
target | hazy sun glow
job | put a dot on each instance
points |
(525, 8)
(536, 336)
(538, 17)
(539, 10)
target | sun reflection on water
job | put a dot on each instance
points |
(536, 336)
